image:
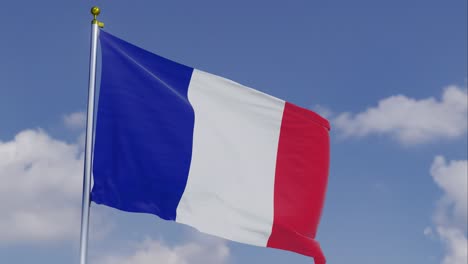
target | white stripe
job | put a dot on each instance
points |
(230, 186)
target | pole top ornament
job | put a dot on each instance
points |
(95, 11)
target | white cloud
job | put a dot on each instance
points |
(75, 120)
(40, 188)
(450, 216)
(452, 178)
(456, 245)
(410, 120)
(195, 252)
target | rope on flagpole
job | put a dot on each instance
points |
(85, 206)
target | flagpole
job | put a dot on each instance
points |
(85, 206)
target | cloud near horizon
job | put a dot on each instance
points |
(197, 251)
(411, 121)
(450, 216)
(41, 186)
(42, 180)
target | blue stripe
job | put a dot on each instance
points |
(144, 130)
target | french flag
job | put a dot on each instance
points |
(201, 150)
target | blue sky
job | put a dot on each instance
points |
(391, 77)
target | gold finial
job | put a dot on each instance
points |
(95, 11)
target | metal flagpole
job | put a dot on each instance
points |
(95, 25)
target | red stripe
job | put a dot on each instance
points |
(300, 181)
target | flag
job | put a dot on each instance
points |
(204, 151)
